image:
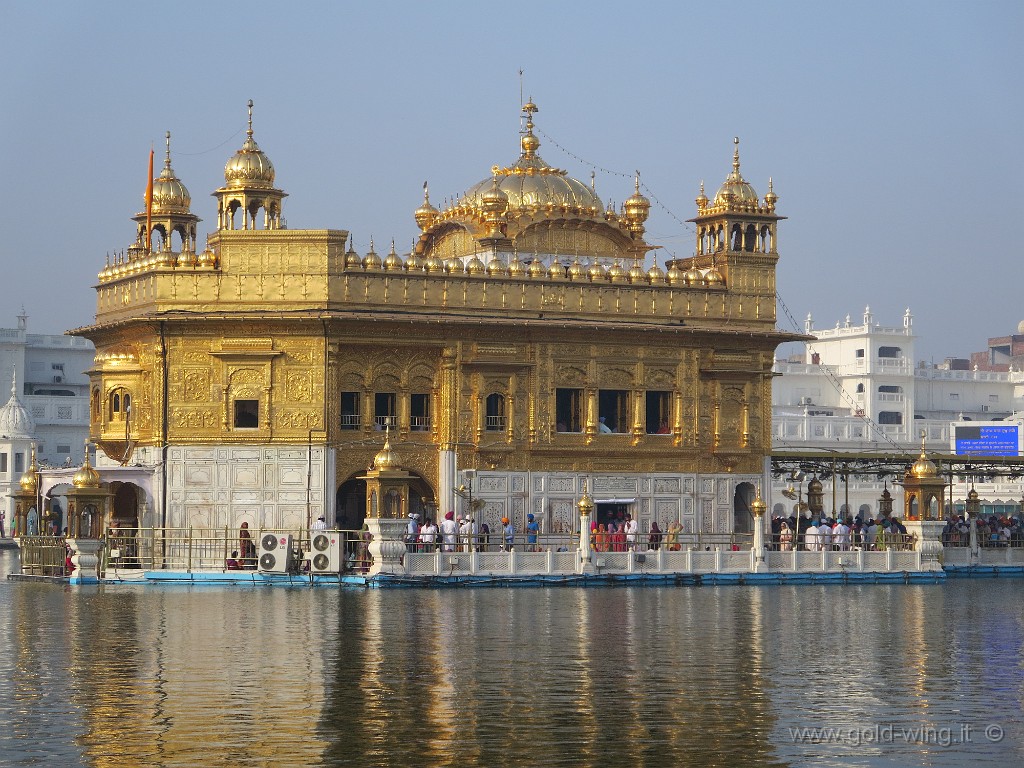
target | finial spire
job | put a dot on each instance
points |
(14, 381)
(167, 158)
(736, 154)
(249, 132)
(638, 182)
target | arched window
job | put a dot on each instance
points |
(120, 404)
(495, 413)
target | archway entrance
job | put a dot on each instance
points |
(351, 502)
(125, 512)
(743, 518)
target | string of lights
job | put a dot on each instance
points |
(646, 189)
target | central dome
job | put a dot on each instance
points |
(533, 184)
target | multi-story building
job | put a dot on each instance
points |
(856, 388)
(49, 403)
(521, 349)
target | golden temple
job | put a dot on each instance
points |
(521, 348)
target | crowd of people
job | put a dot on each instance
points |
(822, 534)
(993, 531)
(461, 534)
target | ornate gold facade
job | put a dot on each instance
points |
(522, 319)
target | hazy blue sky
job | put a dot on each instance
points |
(892, 131)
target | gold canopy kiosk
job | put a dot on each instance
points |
(923, 507)
(387, 504)
(88, 510)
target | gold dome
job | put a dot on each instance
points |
(169, 194)
(576, 271)
(494, 200)
(475, 267)
(386, 458)
(557, 270)
(413, 262)
(586, 504)
(433, 264)
(702, 199)
(923, 468)
(656, 275)
(515, 267)
(636, 273)
(531, 184)
(393, 262)
(674, 276)
(496, 267)
(352, 259)
(455, 266)
(371, 260)
(249, 167)
(758, 507)
(597, 272)
(29, 481)
(636, 207)
(714, 277)
(693, 276)
(426, 213)
(735, 189)
(536, 268)
(617, 274)
(771, 198)
(86, 476)
(814, 486)
(207, 258)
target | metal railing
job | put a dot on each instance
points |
(212, 550)
(43, 555)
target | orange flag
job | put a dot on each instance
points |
(149, 203)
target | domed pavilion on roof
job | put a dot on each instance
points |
(534, 211)
(522, 349)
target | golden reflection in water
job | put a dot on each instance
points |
(201, 677)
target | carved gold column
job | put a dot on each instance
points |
(447, 427)
(591, 414)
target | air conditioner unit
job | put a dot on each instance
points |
(58, 379)
(275, 553)
(806, 401)
(325, 552)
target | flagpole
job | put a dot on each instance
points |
(149, 204)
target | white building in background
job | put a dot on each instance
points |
(54, 388)
(857, 388)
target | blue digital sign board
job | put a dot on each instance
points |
(986, 439)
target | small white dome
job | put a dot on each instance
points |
(15, 420)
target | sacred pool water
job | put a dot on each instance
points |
(863, 675)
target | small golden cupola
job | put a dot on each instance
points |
(29, 481)
(170, 216)
(636, 209)
(386, 458)
(249, 188)
(735, 189)
(734, 223)
(924, 467)
(426, 213)
(86, 476)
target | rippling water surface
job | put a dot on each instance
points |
(630, 676)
